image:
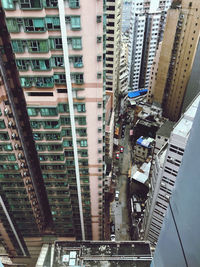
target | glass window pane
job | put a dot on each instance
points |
(12, 25)
(8, 4)
(77, 43)
(75, 22)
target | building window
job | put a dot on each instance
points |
(51, 3)
(35, 124)
(82, 132)
(22, 64)
(99, 58)
(49, 111)
(65, 120)
(81, 107)
(34, 25)
(99, 75)
(44, 82)
(51, 124)
(99, 39)
(2, 124)
(8, 4)
(38, 46)
(7, 147)
(59, 78)
(77, 78)
(81, 120)
(57, 62)
(26, 81)
(18, 46)
(12, 25)
(99, 19)
(74, 3)
(32, 111)
(75, 22)
(56, 43)
(30, 4)
(76, 43)
(83, 143)
(52, 23)
(76, 60)
(63, 108)
(40, 64)
(99, 104)
(84, 153)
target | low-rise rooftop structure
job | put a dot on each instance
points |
(102, 253)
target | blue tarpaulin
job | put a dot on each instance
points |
(137, 93)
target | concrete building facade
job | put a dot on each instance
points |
(60, 63)
(126, 15)
(147, 24)
(178, 243)
(112, 56)
(177, 54)
(165, 170)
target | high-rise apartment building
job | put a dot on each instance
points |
(58, 48)
(113, 37)
(177, 54)
(164, 174)
(112, 65)
(147, 24)
(178, 243)
(126, 15)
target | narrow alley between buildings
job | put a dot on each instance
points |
(119, 208)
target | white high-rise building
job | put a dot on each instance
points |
(147, 25)
(126, 15)
(165, 171)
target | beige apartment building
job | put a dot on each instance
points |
(176, 57)
(112, 67)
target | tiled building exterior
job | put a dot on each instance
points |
(176, 57)
(38, 42)
(147, 25)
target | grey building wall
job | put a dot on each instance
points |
(179, 242)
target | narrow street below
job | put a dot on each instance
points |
(119, 211)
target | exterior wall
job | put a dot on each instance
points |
(113, 36)
(165, 171)
(126, 15)
(88, 103)
(148, 21)
(153, 76)
(181, 34)
(179, 236)
(141, 153)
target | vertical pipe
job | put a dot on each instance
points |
(71, 107)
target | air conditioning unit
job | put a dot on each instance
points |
(10, 124)
(6, 111)
(16, 146)
(30, 188)
(22, 165)
(20, 155)
(24, 174)
(34, 202)
(32, 196)
(28, 181)
(14, 136)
